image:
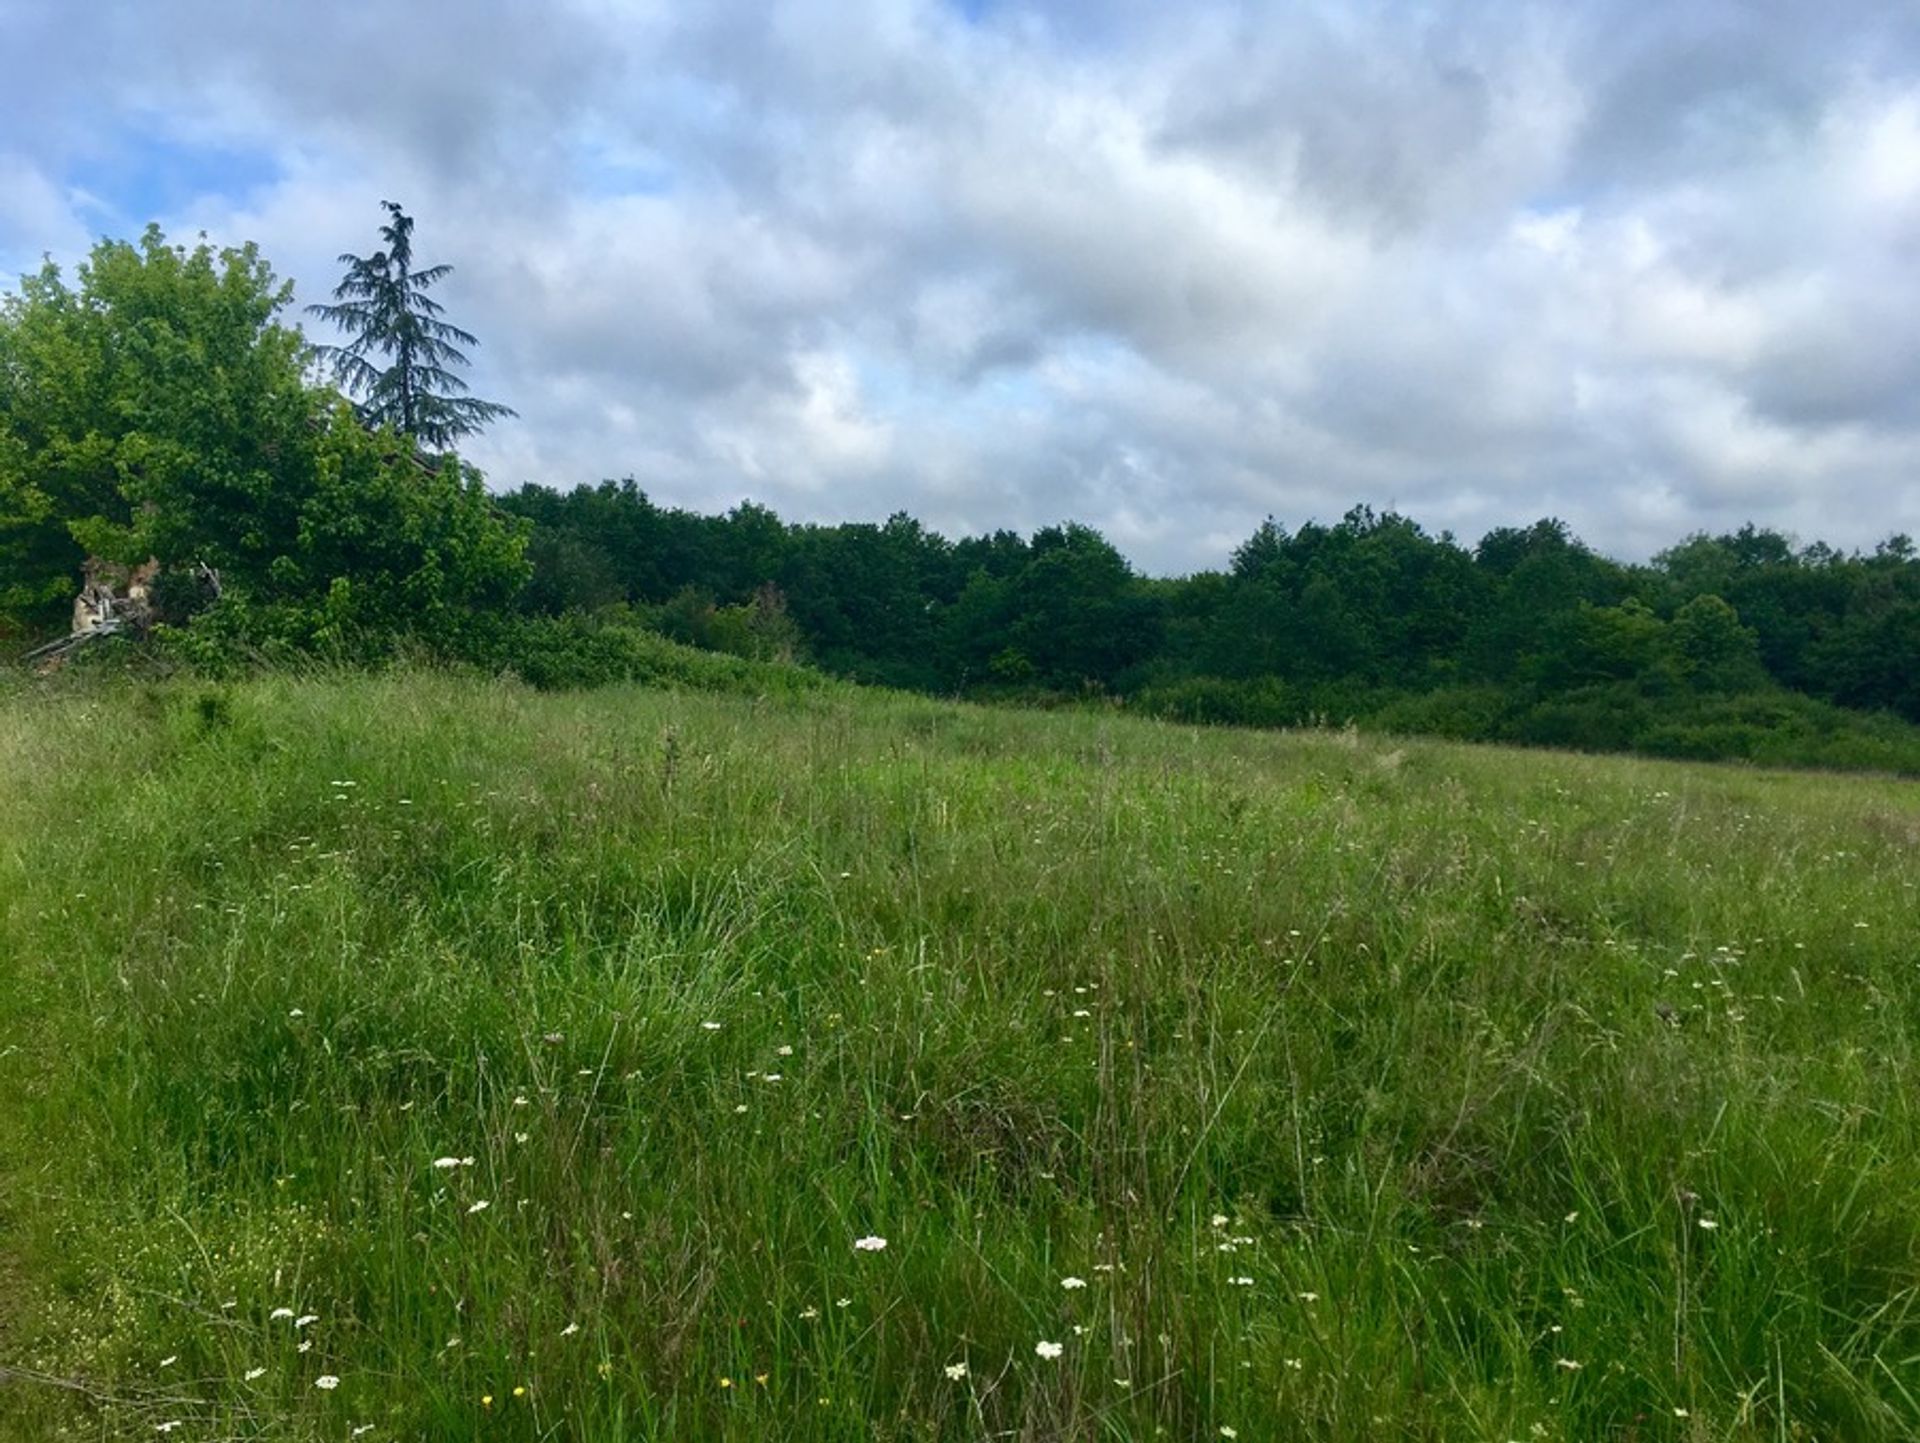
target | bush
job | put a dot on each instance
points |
(1215, 701)
(577, 651)
(1604, 718)
(1461, 713)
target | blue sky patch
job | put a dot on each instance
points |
(140, 175)
(600, 170)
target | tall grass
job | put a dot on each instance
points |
(551, 1054)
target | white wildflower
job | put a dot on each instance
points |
(279, 1313)
(326, 1382)
(956, 1371)
(479, 1207)
(870, 1244)
(1048, 1350)
(1072, 1283)
(253, 1373)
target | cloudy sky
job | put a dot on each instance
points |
(1162, 268)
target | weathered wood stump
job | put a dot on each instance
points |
(118, 600)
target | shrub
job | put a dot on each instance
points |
(577, 651)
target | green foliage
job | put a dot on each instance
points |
(760, 630)
(1460, 713)
(159, 409)
(155, 409)
(387, 544)
(1374, 1088)
(1712, 650)
(576, 652)
(1218, 701)
(1530, 636)
(382, 303)
(1075, 610)
(376, 552)
(1591, 644)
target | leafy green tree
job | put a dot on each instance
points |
(974, 630)
(1260, 552)
(595, 545)
(1713, 651)
(384, 544)
(1538, 577)
(1871, 657)
(1598, 644)
(868, 597)
(570, 573)
(160, 409)
(382, 303)
(746, 552)
(157, 408)
(1077, 612)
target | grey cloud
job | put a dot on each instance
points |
(1163, 269)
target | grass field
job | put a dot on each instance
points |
(419, 1058)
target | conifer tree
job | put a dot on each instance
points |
(399, 363)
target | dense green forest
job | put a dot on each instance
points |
(1530, 635)
(159, 407)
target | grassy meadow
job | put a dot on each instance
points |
(422, 1058)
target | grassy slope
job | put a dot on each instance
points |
(1333, 1070)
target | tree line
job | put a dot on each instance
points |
(160, 406)
(1527, 635)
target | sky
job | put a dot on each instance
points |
(1163, 269)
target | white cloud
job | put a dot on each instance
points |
(40, 216)
(1162, 269)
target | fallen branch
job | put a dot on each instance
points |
(60, 646)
